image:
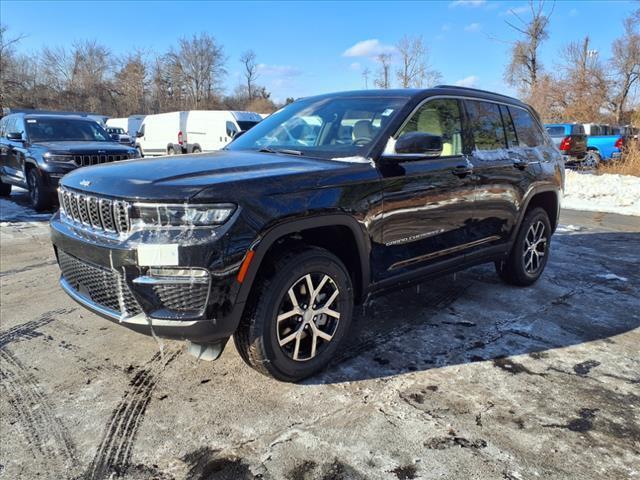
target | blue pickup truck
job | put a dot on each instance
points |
(604, 143)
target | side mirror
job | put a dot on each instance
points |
(115, 137)
(15, 137)
(419, 143)
(139, 134)
(238, 134)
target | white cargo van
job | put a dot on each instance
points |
(130, 124)
(162, 134)
(208, 130)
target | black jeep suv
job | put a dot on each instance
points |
(336, 197)
(36, 150)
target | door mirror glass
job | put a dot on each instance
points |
(419, 143)
(140, 133)
(15, 136)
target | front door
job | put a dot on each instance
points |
(428, 203)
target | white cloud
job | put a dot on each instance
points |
(473, 27)
(515, 11)
(368, 48)
(470, 81)
(467, 3)
(279, 70)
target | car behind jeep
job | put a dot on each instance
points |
(324, 203)
(37, 150)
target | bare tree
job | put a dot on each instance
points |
(415, 70)
(585, 83)
(383, 80)
(524, 67)
(7, 64)
(625, 64)
(130, 85)
(365, 74)
(199, 64)
(248, 60)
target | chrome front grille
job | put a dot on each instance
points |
(102, 286)
(87, 160)
(102, 214)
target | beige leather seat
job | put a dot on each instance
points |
(362, 130)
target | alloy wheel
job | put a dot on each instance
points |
(34, 192)
(535, 247)
(307, 319)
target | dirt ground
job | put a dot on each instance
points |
(461, 377)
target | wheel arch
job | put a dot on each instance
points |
(546, 197)
(341, 234)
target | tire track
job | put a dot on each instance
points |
(27, 331)
(113, 456)
(44, 431)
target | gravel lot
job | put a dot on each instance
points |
(462, 377)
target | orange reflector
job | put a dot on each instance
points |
(245, 266)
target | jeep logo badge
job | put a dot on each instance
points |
(85, 183)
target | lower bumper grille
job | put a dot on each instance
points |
(102, 286)
(183, 298)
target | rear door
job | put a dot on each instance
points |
(504, 167)
(428, 203)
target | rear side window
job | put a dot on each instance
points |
(486, 125)
(529, 135)
(555, 131)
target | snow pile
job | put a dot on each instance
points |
(602, 193)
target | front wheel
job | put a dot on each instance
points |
(530, 252)
(299, 317)
(5, 189)
(40, 199)
(593, 160)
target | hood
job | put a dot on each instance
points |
(81, 147)
(182, 176)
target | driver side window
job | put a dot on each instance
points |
(442, 118)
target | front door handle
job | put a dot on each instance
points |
(462, 170)
(521, 164)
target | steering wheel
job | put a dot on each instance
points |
(361, 142)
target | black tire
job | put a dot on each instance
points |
(260, 335)
(140, 152)
(526, 262)
(40, 199)
(170, 151)
(592, 161)
(196, 150)
(5, 189)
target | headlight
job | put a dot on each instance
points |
(58, 157)
(145, 215)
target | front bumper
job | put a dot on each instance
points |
(103, 275)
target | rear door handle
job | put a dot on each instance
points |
(462, 170)
(521, 164)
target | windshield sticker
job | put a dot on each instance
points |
(31, 120)
(387, 112)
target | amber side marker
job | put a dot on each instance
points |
(245, 266)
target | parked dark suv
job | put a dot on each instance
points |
(335, 197)
(36, 150)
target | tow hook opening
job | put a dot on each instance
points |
(206, 351)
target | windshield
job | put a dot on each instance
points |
(65, 129)
(327, 127)
(555, 131)
(115, 130)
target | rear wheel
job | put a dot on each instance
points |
(196, 149)
(5, 189)
(592, 160)
(171, 151)
(530, 252)
(40, 199)
(299, 316)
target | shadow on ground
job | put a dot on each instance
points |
(590, 291)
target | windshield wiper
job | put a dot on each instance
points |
(284, 151)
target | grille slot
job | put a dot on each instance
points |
(101, 285)
(183, 297)
(102, 214)
(88, 160)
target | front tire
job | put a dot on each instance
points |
(530, 252)
(5, 189)
(593, 160)
(299, 317)
(171, 151)
(40, 200)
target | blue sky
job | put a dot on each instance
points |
(302, 45)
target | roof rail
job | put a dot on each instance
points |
(471, 89)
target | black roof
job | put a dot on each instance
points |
(60, 116)
(423, 92)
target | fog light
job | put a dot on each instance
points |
(179, 272)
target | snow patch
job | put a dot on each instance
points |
(356, 159)
(568, 228)
(602, 193)
(612, 276)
